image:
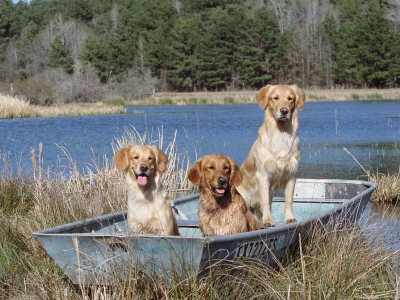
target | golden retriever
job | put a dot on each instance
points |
(222, 210)
(274, 157)
(149, 212)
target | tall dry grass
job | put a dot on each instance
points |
(13, 107)
(388, 189)
(333, 264)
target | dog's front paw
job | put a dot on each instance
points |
(268, 223)
(291, 221)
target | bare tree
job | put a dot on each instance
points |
(138, 84)
(392, 9)
(9, 64)
(281, 10)
(178, 6)
(306, 48)
(114, 16)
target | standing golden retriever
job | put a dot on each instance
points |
(222, 210)
(149, 211)
(274, 156)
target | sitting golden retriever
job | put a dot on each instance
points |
(222, 210)
(149, 211)
(273, 159)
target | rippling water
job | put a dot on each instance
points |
(369, 130)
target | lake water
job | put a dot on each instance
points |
(370, 130)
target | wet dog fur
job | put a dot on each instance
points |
(222, 210)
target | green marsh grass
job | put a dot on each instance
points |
(375, 96)
(333, 264)
(115, 101)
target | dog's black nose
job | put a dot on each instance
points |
(284, 111)
(222, 180)
(144, 167)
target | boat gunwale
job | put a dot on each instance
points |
(211, 239)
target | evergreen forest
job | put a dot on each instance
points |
(80, 50)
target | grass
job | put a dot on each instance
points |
(335, 263)
(115, 101)
(388, 189)
(11, 107)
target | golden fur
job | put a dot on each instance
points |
(273, 159)
(149, 212)
(222, 210)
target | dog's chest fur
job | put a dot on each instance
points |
(222, 216)
(278, 152)
(145, 207)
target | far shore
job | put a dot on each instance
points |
(248, 96)
(15, 107)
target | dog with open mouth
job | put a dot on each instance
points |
(149, 212)
(222, 210)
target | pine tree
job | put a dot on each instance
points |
(182, 68)
(394, 61)
(59, 56)
(227, 55)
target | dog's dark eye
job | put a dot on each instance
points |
(226, 168)
(150, 158)
(290, 98)
(211, 167)
(136, 157)
(275, 98)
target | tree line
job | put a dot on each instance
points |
(77, 49)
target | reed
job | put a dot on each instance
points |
(388, 189)
(13, 107)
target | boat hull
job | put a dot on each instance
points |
(100, 250)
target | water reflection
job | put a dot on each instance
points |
(382, 221)
(388, 211)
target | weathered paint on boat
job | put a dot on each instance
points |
(99, 249)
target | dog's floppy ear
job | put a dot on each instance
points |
(300, 97)
(236, 175)
(194, 174)
(162, 160)
(261, 96)
(121, 159)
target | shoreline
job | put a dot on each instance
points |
(248, 97)
(17, 108)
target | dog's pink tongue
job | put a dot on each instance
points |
(142, 180)
(220, 191)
